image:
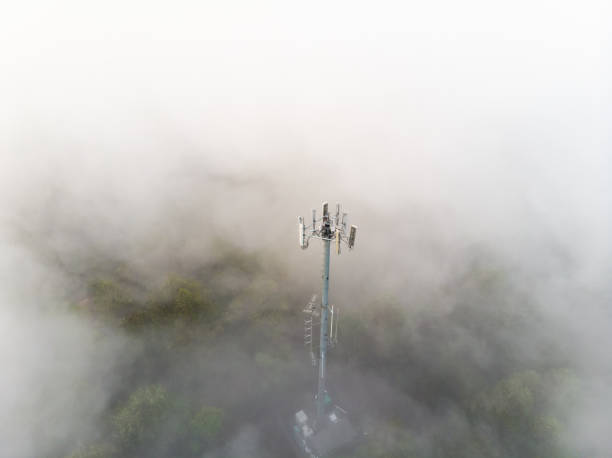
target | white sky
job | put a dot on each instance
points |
(473, 106)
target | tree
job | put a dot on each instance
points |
(94, 451)
(141, 417)
(205, 426)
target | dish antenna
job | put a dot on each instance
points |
(328, 229)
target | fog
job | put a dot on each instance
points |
(455, 135)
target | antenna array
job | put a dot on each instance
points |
(328, 227)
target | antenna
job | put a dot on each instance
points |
(302, 233)
(337, 321)
(331, 326)
(333, 228)
(352, 235)
(326, 231)
(314, 220)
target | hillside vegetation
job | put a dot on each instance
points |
(221, 353)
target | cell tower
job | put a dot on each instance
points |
(327, 430)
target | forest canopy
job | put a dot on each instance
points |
(420, 382)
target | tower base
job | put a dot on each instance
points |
(320, 437)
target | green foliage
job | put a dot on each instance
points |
(182, 296)
(108, 297)
(511, 400)
(140, 419)
(178, 302)
(207, 423)
(94, 451)
(521, 409)
(388, 440)
(467, 357)
(151, 421)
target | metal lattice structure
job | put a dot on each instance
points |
(311, 323)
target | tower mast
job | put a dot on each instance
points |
(324, 338)
(330, 228)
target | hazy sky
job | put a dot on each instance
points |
(429, 103)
